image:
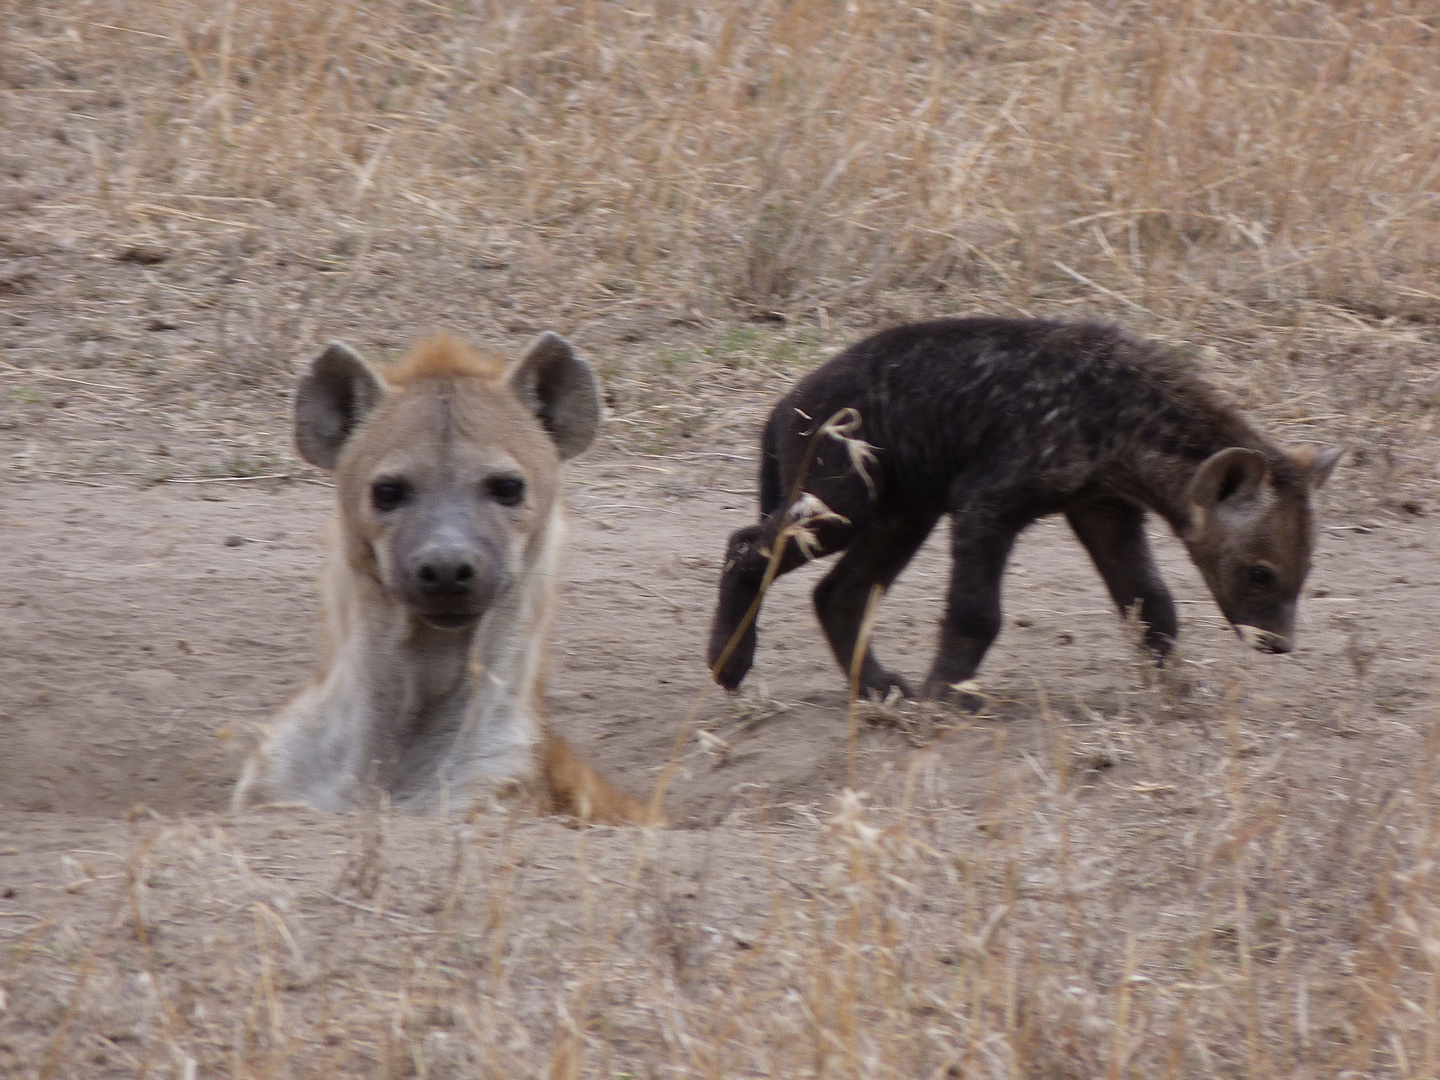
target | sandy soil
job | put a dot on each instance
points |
(148, 632)
(1228, 869)
(152, 622)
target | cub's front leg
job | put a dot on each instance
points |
(980, 546)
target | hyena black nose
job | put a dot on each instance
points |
(446, 572)
(1264, 640)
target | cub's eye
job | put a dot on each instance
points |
(507, 490)
(387, 494)
(1262, 576)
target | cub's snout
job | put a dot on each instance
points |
(1266, 641)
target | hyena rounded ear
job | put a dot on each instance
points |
(560, 389)
(334, 395)
(1318, 462)
(1230, 478)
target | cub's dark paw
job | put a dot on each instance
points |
(884, 684)
(962, 695)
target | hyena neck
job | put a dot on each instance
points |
(501, 729)
(420, 698)
(442, 710)
(434, 669)
(406, 685)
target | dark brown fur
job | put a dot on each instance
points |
(998, 422)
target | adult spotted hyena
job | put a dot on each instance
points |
(442, 564)
(998, 422)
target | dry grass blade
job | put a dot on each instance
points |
(857, 663)
(844, 427)
(712, 195)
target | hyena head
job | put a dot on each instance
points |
(446, 468)
(1251, 532)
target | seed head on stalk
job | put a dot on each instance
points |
(844, 427)
(804, 514)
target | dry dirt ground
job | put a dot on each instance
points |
(148, 630)
(1223, 870)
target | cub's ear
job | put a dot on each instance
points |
(1318, 462)
(1230, 479)
(560, 389)
(334, 395)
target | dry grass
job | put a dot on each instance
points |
(789, 156)
(1263, 181)
(1177, 157)
(1261, 178)
(1215, 922)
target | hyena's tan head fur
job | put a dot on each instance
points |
(442, 572)
(446, 470)
(1251, 533)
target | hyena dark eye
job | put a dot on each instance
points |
(387, 494)
(1262, 576)
(507, 490)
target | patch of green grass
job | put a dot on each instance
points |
(156, 474)
(747, 346)
(1397, 699)
(237, 465)
(674, 361)
(736, 347)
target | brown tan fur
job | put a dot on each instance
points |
(438, 586)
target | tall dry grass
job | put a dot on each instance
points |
(1219, 923)
(1155, 159)
(1260, 178)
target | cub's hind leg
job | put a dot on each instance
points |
(835, 503)
(1113, 532)
(875, 556)
(733, 632)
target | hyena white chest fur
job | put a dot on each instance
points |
(441, 567)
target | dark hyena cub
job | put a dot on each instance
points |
(997, 422)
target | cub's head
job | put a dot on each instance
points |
(1251, 532)
(447, 465)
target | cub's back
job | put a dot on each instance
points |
(1019, 395)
